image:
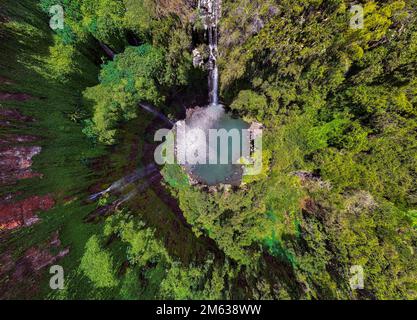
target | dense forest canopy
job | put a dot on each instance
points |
(338, 187)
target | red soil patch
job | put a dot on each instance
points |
(22, 213)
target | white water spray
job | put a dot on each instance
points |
(147, 107)
(187, 142)
(214, 77)
(121, 184)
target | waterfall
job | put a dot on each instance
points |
(121, 184)
(210, 12)
(160, 115)
(214, 74)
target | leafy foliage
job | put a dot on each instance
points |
(133, 77)
(338, 187)
(97, 265)
(339, 114)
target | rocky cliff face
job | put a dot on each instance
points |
(16, 162)
(16, 159)
(210, 11)
(15, 214)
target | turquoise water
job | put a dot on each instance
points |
(214, 174)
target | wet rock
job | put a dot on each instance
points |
(198, 60)
(256, 129)
(23, 213)
(210, 12)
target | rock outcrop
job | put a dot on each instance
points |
(15, 214)
(16, 159)
(16, 162)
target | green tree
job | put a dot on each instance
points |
(97, 265)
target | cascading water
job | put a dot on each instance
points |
(214, 95)
(210, 13)
(121, 184)
(214, 116)
(160, 115)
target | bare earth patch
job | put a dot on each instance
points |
(18, 214)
